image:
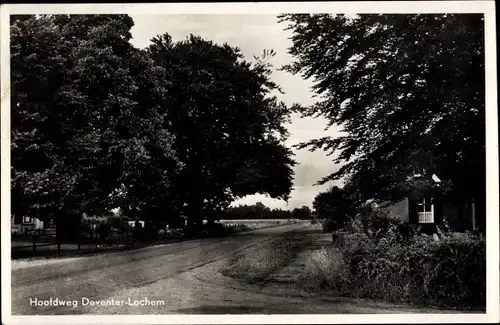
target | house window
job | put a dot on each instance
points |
(27, 219)
(425, 210)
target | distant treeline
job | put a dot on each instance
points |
(260, 211)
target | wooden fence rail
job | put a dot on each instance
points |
(34, 245)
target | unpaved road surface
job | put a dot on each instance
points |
(183, 277)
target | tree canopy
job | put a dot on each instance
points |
(177, 128)
(228, 124)
(408, 91)
(335, 204)
(302, 213)
(255, 211)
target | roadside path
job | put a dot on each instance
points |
(184, 276)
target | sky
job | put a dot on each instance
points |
(252, 34)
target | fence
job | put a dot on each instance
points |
(43, 242)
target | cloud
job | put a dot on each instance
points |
(252, 34)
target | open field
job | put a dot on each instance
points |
(260, 223)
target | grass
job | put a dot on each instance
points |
(255, 264)
(323, 267)
(257, 224)
(381, 264)
(228, 227)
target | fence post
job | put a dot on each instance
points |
(34, 243)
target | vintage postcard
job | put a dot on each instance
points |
(231, 163)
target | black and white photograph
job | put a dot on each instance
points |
(289, 160)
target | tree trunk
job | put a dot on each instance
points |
(210, 221)
(195, 218)
(34, 244)
(59, 229)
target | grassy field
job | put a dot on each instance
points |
(256, 263)
(259, 223)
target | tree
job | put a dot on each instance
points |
(336, 204)
(180, 128)
(228, 126)
(84, 108)
(302, 213)
(408, 91)
(39, 177)
(256, 211)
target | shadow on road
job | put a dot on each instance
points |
(240, 309)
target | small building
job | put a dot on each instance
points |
(22, 224)
(431, 207)
(131, 223)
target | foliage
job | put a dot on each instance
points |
(302, 213)
(376, 260)
(80, 105)
(221, 230)
(256, 211)
(329, 225)
(228, 125)
(323, 269)
(179, 128)
(335, 207)
(408, 92)
(39, 177)
(103, 230)
(254, 264)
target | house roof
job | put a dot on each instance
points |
(424, 176)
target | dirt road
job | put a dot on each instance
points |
(179, 278)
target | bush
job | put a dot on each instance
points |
(382, 259)
(329, 225)
(104, 230)
(325, 268)
(221, 230)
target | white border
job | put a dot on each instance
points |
(260, 7)
(486, 7)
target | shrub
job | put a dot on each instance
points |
(383, 259)
(330, 225)
(325, 268)
(104, 230)
(220, 230)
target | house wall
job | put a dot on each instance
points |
(35, 222)
(458, 216)
(17, 219)
(398, 210)
(38, 223)
(458, 221)
(131, 224)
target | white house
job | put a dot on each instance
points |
(25, 223)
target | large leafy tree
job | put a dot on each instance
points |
(39, 175)
(228, 125)
(256, 211)
(335, 204)
(302, 213)
(407, 90)
(86, 134)
(97, 123)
